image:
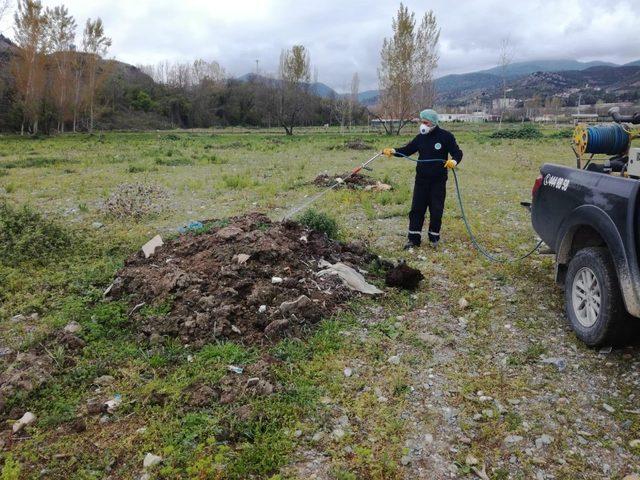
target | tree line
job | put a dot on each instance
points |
(49, 80)
(52, 85)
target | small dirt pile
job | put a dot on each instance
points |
(135, 200)
(251, 280)
(357, 181)
(403, 276)
(358, 144)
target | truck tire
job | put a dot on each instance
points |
(593, 299)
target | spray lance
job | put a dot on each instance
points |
(365, 166)
(339, 181)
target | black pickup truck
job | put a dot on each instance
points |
(591, 221)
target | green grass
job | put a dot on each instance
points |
(57, 265)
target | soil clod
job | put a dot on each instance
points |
(403, 276)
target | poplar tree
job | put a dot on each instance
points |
(408, 60)
(95, 45)
(30, 26)
(61, 35)
(292, 86)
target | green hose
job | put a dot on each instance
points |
(473, 238)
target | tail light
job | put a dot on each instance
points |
(536, 186)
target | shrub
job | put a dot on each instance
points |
(27, 236)
(526, 131)
(11, 469)
(320, 222)
(238, 181)
(562, 133)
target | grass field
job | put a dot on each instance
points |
(471, 390)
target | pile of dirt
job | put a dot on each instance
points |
(403, 276)
(135, 200)
(353, 144)
(250, 280)
(356, 181)
(358, 144)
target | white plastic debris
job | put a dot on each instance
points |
(276, 280)
(463, 303)
(235, 369)
(378, 187)
(26, 420)
(262, 309)
(151, 460)
(348, 372)
(113, 404)
(190, 358)
(304, 239)
(149, 248)
(236, 329)
(107, 291)
(253, 381)
(350, 277)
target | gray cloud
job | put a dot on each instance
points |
(345, 36)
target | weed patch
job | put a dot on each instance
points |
(135, 200)
(320, 222)
(526, 131)
(27, 236)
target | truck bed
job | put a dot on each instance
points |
(574, 202)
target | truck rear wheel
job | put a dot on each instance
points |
(593, 299)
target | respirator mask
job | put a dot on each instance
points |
(424, 129)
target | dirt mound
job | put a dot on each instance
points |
(403, 276)
(353, 144)
(358, 144)
(249, 279)
(356, 181)
(135, 200)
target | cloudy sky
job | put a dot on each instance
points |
(345, 36)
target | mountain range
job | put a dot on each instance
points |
(522, 77)
(458, 88)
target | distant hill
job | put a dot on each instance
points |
(525, 68)
(460, 88)
(632, 64)
(603, 82)
(369, 97)
(317, 88)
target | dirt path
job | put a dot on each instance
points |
(508, 391)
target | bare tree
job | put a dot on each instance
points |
(61, 34)
(353, 99)
(203, 71)
(505, 58)
(427, 57)
(292, 86)
(30, 25)
(95, 45)
(405, 75)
